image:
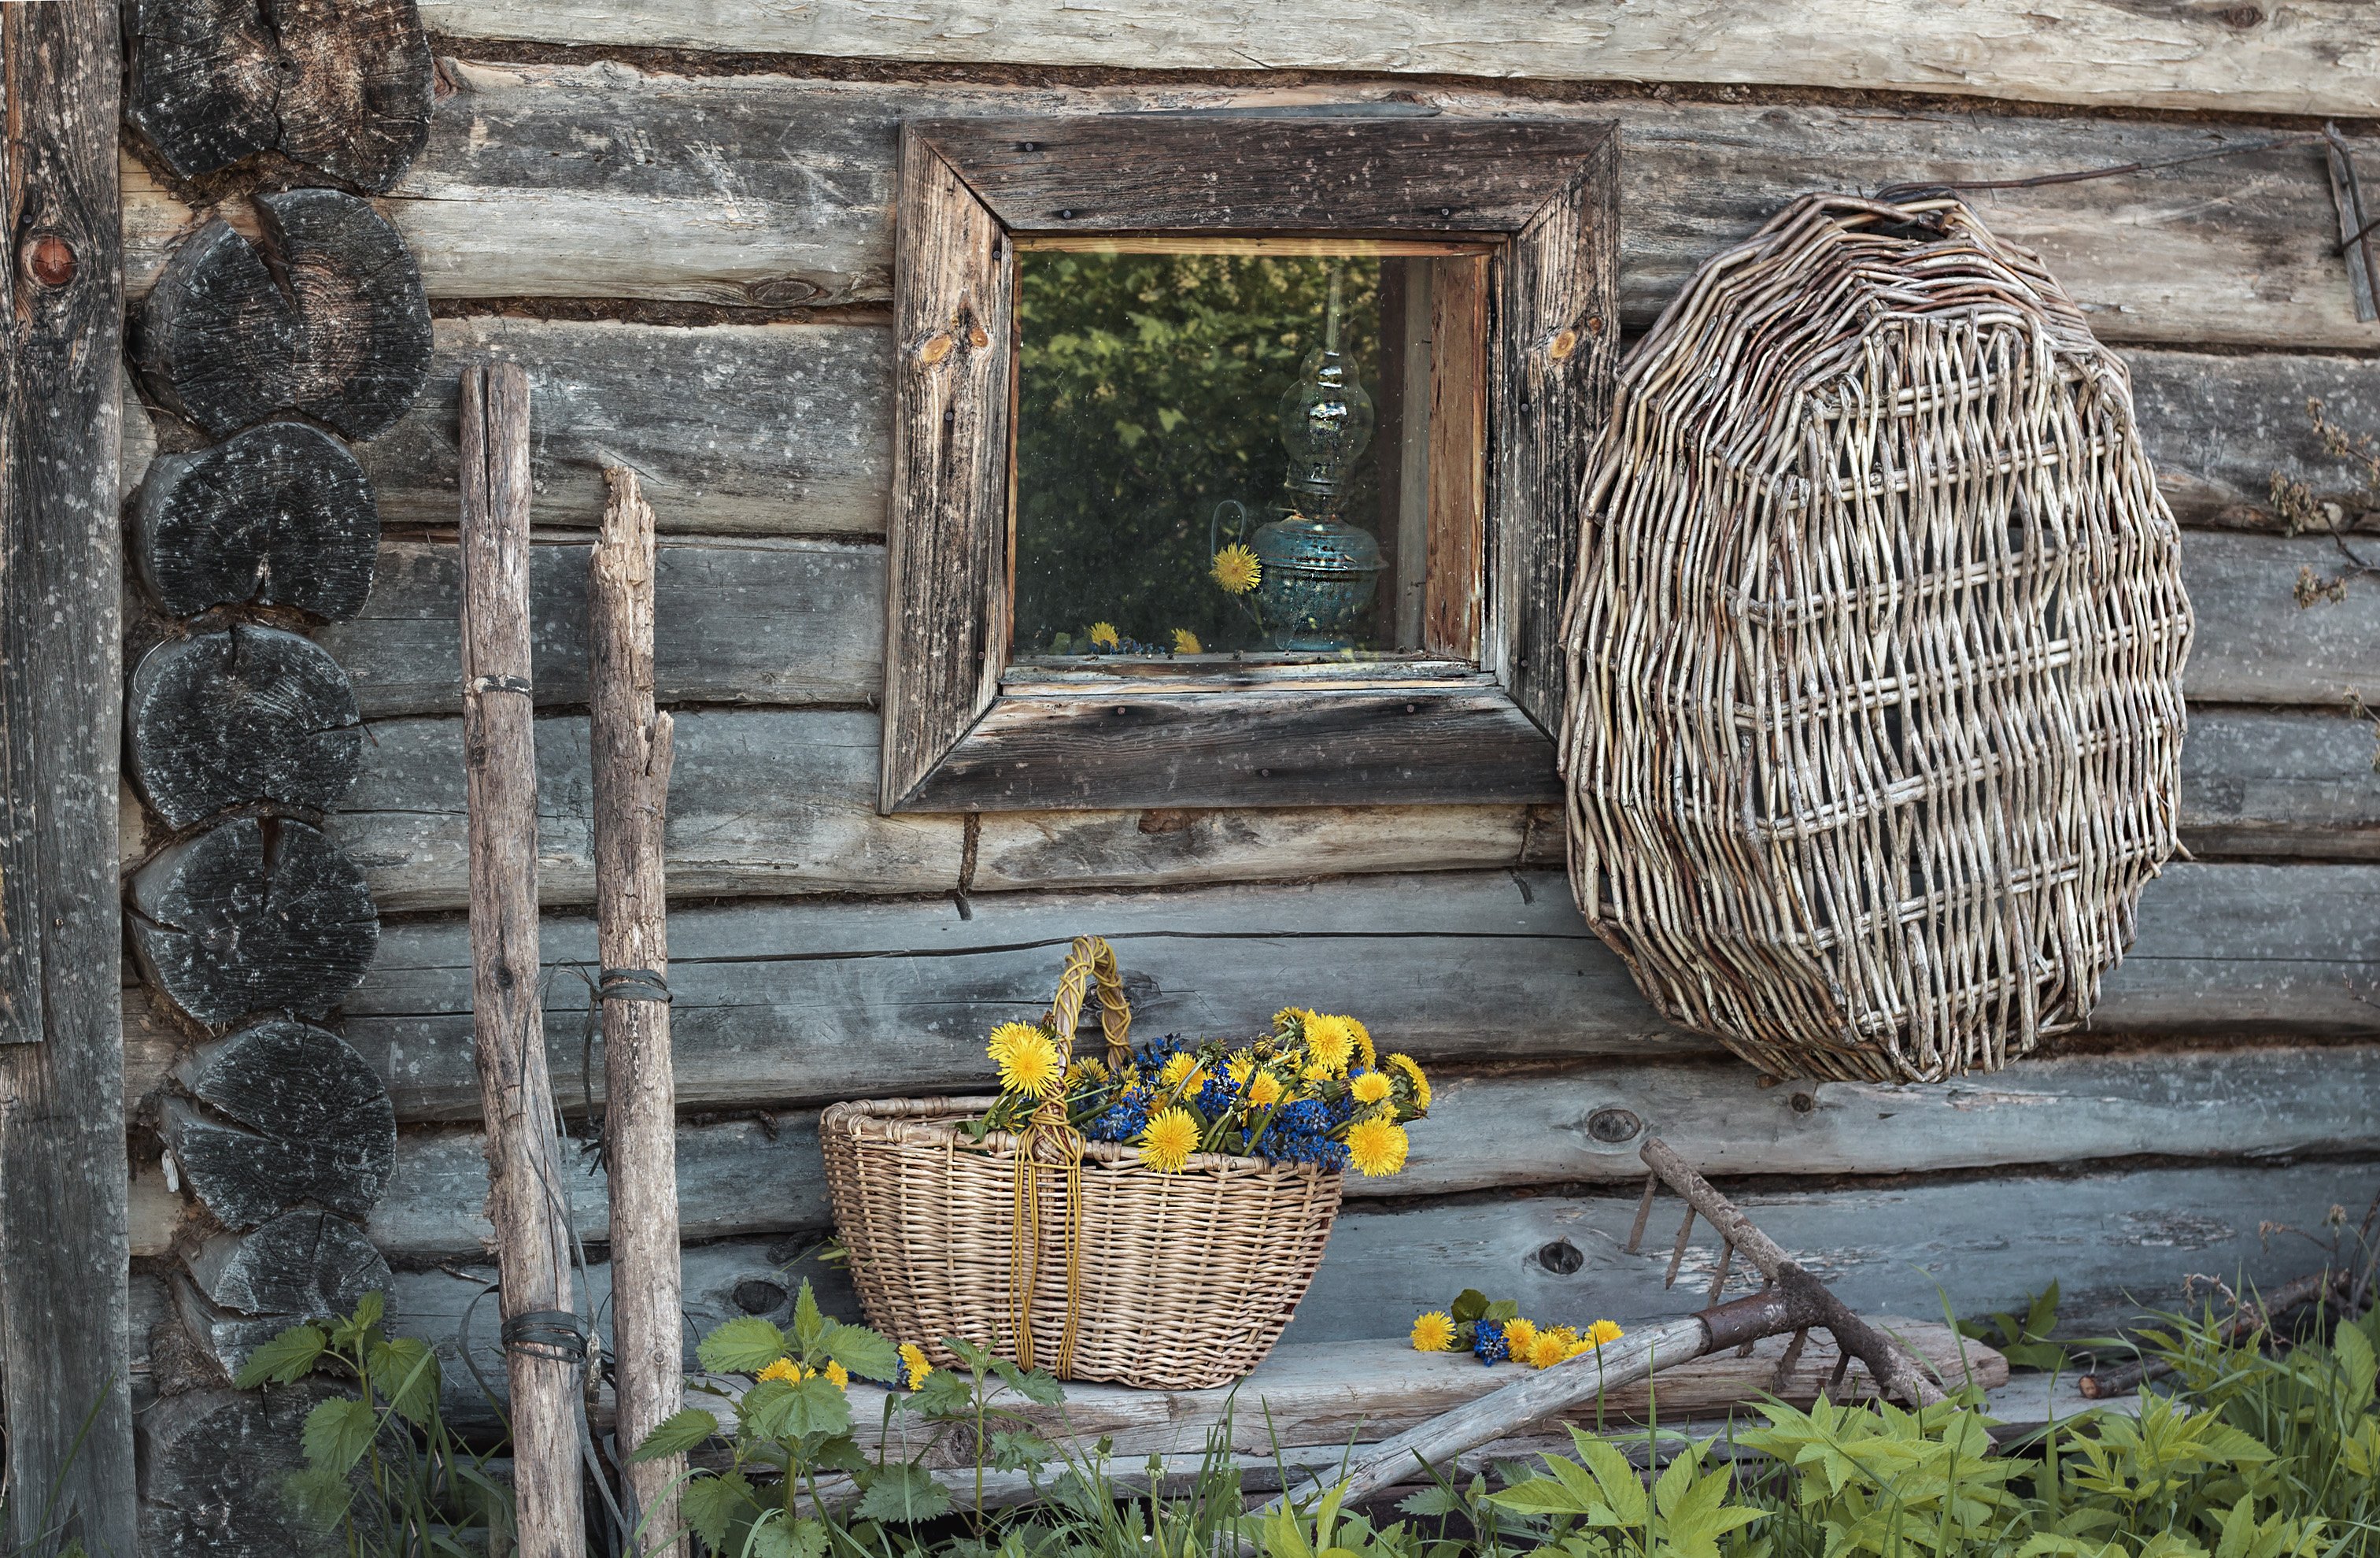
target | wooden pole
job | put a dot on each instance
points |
(632, 749)
(525, 1199)
(63, 1241)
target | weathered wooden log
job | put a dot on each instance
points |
(341, 85)
(516, 1095)
(258, 914)
(278, 515)
(2229, 58)
(631, 757)
(212, 1462)
(222, 345)
(302, 1264)
(239, 1291)
(244, 715)
(1505, 1128)
(605, 181)
(64, 1393)
(309, 1122)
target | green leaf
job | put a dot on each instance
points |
(742, 1345)
(966, 1352)
(781, 1536)
(1019, 1450)
(404, 1373)
(862, 1351)
(285, 1359)
(1504, 1309)
(773, 1410)
(1432, 1501)
(906, 1493)
(809, 1323)
(942, 1394)
(713, 1504)
(1470, 1306)
(1036, 1385)
(337, 1432)
(677, 1435)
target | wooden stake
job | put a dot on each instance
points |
(632, 749)
(525, 1194)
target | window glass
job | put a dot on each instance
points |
(1220, 454)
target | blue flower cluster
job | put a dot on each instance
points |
(1488, 1341)
(1301, 1133)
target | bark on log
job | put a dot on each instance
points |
(222, 345)
(259, 914)
(249, 714)
(342, 85)
(524, 1199)
(631, 753)
(278, 515)
(303, 1120)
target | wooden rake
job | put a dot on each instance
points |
(1790, 1299)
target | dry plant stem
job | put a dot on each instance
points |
(631, 749)
(524, 1202)
(1896, 1369)
(2124, 1379)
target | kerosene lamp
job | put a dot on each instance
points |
(1319, 572)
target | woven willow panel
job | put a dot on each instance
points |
(1874, 652)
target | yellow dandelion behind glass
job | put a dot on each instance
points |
(1169, 1140)
(1186, 642)
(1433, 1332)
(1028, 1059)
(1376, 1147)
(1237, 570)
(1103, 634)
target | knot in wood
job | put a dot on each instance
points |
(50, 261)
(1564, 343)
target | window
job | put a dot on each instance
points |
(1237, 455)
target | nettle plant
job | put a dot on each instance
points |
(794, 1425)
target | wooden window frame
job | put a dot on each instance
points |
(1542, 194)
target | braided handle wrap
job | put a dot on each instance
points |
(1091, 958)
(1049, 1141)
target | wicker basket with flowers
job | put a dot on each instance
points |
(1149, 1216)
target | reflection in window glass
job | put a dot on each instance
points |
(1211, 452)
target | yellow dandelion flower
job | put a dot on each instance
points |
(1169, 1140)
(1240, 1067)
(1085, 1071)
(1028, 1059)
(784, 1369)
(914, 1362)
(1316, 1072)
(1178, 1068)
(1376, 1147)
(1363, 1037)
(1237, 570)
(1103, 635)
(1433, 1332)
(1289, 1016)
(1413, 1074)
(1548, 1349)
(1186, 642)
(1372, 1087)
(1328, 1040)
(1602, 1331)
(839, 1374)
(1520, 1332)
(1264, 1090)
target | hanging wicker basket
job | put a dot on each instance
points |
(1069, 1254)
(1875, 651)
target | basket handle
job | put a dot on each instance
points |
(1090, 958)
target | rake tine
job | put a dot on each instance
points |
(1792, 1355)
(1644, 1211)
(1678, 1256)
(1719, 1278)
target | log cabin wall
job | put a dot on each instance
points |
(677, 218)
